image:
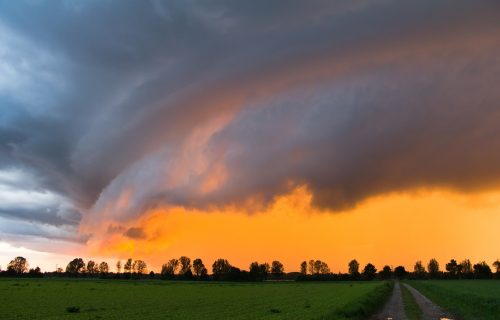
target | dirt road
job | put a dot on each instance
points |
(430, 310)
(394, 308)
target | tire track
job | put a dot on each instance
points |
(430, 310)
(394, 308)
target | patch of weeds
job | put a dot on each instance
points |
(412, 310)
(273, 310)
(73, 309)
(364, 307)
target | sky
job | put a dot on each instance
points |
(249, 130)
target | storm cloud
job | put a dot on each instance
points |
(110, 107)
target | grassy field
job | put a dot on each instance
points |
(466, 299)
(114, 299)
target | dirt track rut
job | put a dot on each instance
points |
(430, 310)
(394, 308)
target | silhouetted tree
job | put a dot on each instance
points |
(75, 266)
(168, 269)
(466, 268)
(259, 272)
(277, 268)
(19, 265)
(265, 268)
(386, 272)
(433, 268)
(36, 272)
(92, 267)
(303, 268)
(496, 265)
(452, 268)
(185, 264)
(369, 271)
(140, 267)
(317, 267)
(310, 266)
(103, 268)
(419, 270)
(324, 269)
(400, 272)
(199, 268)
(254, 270)
(118, 266)
(127, 268)
(235, 274)
(482, 270)
(354, 268)
(220, 268)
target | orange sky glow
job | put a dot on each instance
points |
(417, 225)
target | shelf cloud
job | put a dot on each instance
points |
(110, 108)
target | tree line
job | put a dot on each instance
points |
(221, 270)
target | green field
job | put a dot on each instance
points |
(115, 299)
(466, 299)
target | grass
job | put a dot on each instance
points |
(465, 299)
(114, 299)
(412, 310)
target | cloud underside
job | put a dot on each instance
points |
(116, 107)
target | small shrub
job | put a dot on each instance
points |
(275, 310)
(73, 309)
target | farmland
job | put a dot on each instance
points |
(114, 299)
(466, 299)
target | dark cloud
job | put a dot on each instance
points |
(135, 233)
(116, 229)
(118, 106)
